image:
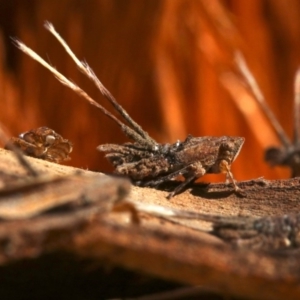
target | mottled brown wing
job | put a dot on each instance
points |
(204, 149)
(43, 143)
(209, 149)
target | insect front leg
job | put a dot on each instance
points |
(225, 168)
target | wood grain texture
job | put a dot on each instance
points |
(184, 253)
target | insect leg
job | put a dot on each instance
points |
(224, 166)
(157, 181)
(181, 186)
(190, 173)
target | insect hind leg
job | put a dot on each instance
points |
(191, 173)
(157, 181)
(181, 186)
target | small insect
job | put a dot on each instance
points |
(43, 143)
(265, 233)
(288, 153)
(260, 233)
(145, 161)
(192, 158)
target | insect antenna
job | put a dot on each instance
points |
(135, 133)
(297, 109)
(258, 95)
(86, 70)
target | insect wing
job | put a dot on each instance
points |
(202, 149)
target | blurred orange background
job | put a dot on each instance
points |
(165, 61)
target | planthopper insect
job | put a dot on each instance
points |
(145, 161)
(43, 143)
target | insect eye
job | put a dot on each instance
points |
(227, 153)
(50, 139)
(226, 147)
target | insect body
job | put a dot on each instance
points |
(145, 161)
(193, 158)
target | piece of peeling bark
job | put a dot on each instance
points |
(160, 247)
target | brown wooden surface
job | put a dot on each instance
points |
(159, 247)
